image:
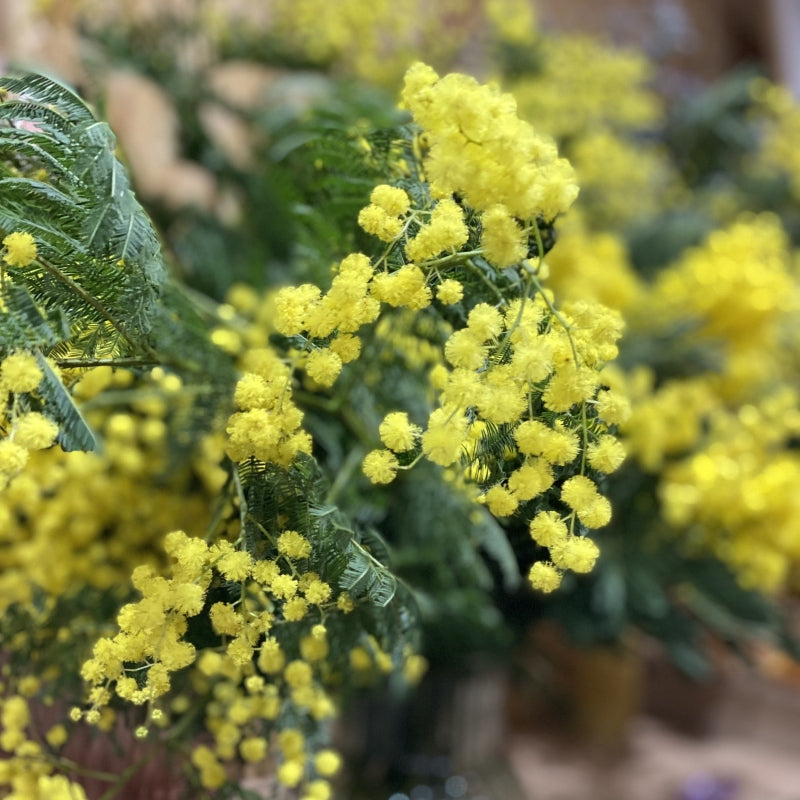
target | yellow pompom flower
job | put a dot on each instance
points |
(323, 366)
(317, 592)
(397, 432)
(294, 545)
(56, 736)
(391, 199)
(380, 466)
(579, 554)
(547, 528)
(531, 479)
(284, 586)
(20, 372)
(606, 454)
(293, 304)
(270, 657)
(375, 220)
(13, 458)
(346, 346)
(449, 292)
(612, 407)
(20, 249)
(442, 442)
(581, 495)
(318, 790)
(295, 609)
(57, 787)
(446, 231)
(252, 391)
(500, 501)
(314, 649)
(503, 241)
(327, 763)
(298, 674)
(578, 492)
(485, 322)
(225, 619)
(34, 431)
(464, 349)
(345, 603)
(544, 577)
(290, 773)
(292, 742)
(236, 566)
(561, 446)
(253, 748)
(596, 514)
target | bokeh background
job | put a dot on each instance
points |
(670, 673)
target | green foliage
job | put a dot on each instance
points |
(98, 259)
(644, 580)
(74, 432)
(24, 323)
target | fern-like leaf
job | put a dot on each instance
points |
(73, 431)
(98, 258)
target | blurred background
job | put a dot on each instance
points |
(670, 673)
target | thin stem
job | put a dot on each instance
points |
(411, 464)
(461, 255)
(237, 482)
(568, 330)
(87, 298)
(72, 767)
(105, 362)
(472, 268)
(555, 312)
(343, 475)
(125, 776)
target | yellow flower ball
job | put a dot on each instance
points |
(20, 249)
(20, 372)
(380, 466)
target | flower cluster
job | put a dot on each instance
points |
(480, 150)
(583, 85)
(76, 519)
(267, 426)
(389, 34)
(736, 491)
(739, 287)
(254, 669)
(777, 114)
(519, 371)
(529, 379)
(330, 320)
(25, 429)
(26, 768)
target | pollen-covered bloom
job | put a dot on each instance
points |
(581, 495)
(544, 576)
(502, 239)
(323, 366)
(449, 292)
(445, 231)
(500, 501)
(397, 432)
(20, 249)
(548, 529)
(294, 545)
(479, 149)
(20, 372)
(443, 439)
(380, 466)
(391, 199)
